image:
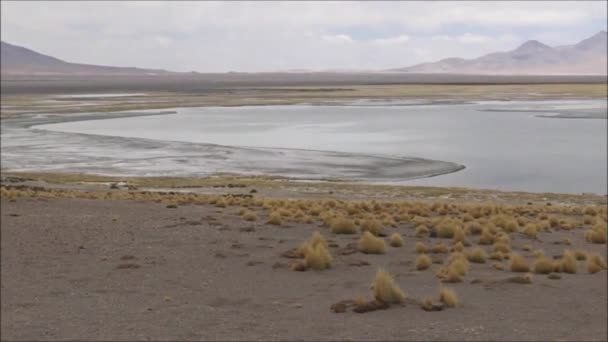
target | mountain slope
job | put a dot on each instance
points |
(531, 58)
(17, 60)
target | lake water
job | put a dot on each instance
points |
(504, 145)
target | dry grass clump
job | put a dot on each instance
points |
(486, 237)
(447, 229)
(538, 253)
(372, 226)
(249, 215)
(315, 253)
(474, 228)
(457, 247)
(318, 257)
(275, 218)
(456, 267)
(496, 256)
(440, 248)
(477, 255)
(518, 263)
(396, 240)
(589, 220)
(590, 211)
(595, 263)
(423, 262)
(422, 231)
(370, 244)
(386, 289)
(342, 225)
(458, 235)
(421, 247)
(543, 265)
(568, 263)
(502, 247)
(459, 263)
(448, 297)
(597, 234)
(531, 230)
(498, 266)
(448, 275)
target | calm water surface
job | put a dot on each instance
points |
(504, 145)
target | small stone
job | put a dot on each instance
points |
(554, 276)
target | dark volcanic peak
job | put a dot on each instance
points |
(18, 60)
(588, 57)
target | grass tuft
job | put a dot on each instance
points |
(396, 240)
(386, 289)
(477, 255)
(423, 262)
(448, 297)
(543, 265)
(421, 247)
(370, 244)
(342, 225)
(519, 263)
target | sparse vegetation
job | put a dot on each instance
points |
(396, 240)
(421, 247)
(543, 265)
(477, 255)
(440, 248)
(386, 289)
(342, 225)
(448, 297)
(370, 244)
(423, 262)
(518, 263)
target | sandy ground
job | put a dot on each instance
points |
(125, 270)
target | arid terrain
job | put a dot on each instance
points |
(223, 259)
(230, 258)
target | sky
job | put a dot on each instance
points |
(276, 36)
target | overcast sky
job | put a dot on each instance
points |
(270, 36)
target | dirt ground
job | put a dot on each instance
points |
(83, 269)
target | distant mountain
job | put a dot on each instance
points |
(17, 60)
(588, 57)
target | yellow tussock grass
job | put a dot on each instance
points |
(543, 265)
(370, 244)
(477, 255)
(502, 247)
(249, 215)
(486, 237)
(458, 247)
(396, 240)
(318, 257)
(275, 219)
(422, 231)
(531, 230)
(386, 289)
(518, 263)
(595, 263)
(421, 247)
(372, 226)
(440, 248)
(568, 263)
(342, 225)
(423, 262)
(448, 297)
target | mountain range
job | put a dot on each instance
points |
(588, 57)
(17, 60)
